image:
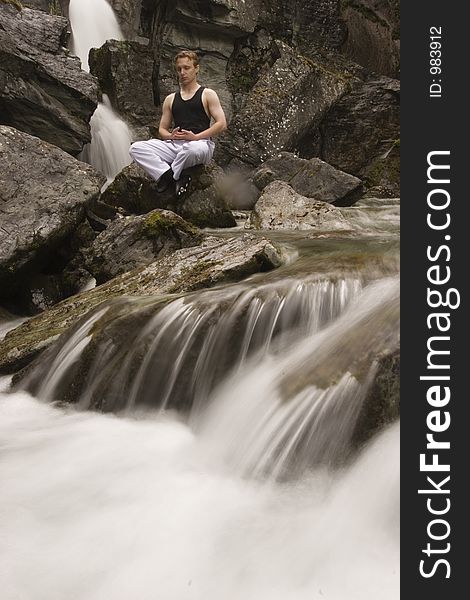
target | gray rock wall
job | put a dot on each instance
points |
(43, 91)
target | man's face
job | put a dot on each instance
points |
(186, 70)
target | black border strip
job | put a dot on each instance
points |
(433, 124)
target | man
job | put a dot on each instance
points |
(189, 142)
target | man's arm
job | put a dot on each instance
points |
(166, 119)
(216, 112)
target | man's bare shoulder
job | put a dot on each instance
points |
(169, 99)
(210, 93)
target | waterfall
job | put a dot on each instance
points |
(196, 341)
(111, 138)
(93, 22)
(267, 364)
(220, 472)
(300, 408)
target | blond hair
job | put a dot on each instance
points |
(188, 54)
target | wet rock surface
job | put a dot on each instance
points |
(382, 404)
(371, 114)
(278, 110)
(215, 261)
(280, 207)
(125, 71)
(373, 28)
(43, 90)
(203, 205)
(136, 241)
(313, 178)
(40, 212)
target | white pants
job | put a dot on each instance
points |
(156, 156)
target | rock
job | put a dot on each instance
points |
(317, 22)
(251, 57)
(124, 70)
(205, 205)
(233, 17)
(39, 212)
(280, 207)
(128, 15)
(313, 178)
(53, 7)
(363, 130)
(215, 261)
(135, 192)
(373, 28)
(133, 242)
(289, 98)
(382, 404)
(43, 90)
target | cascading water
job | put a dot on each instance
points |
(230, 470)
(196, 340)
(300, 407)
(111, 138)
(93, 22)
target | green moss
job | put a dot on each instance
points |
(14, 3)
(157, 223)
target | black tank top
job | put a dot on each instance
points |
(190, 114)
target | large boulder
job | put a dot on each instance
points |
(361, 133)
(280, 207)
(316, 22)
(313, 178)
(215, 261)
(125, 70)
(137, 241)
(373, 32)
(44, 193)
(289, 98)
(135, 192)
(43, 90)
(252, 55)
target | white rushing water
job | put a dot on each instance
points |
(157, 505)
(8, 325)
(97, 507)
(111, 138)
(300, 408)
(188, 339)
(93, 22)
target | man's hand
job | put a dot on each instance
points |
(183, 134)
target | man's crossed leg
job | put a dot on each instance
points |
(168, 159)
